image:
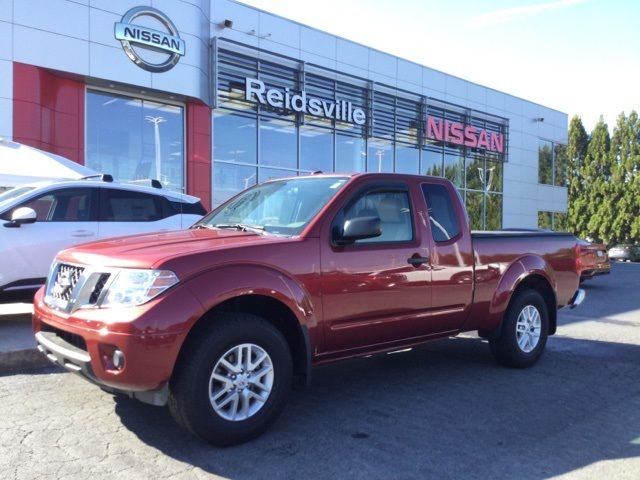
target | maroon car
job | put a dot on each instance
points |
(220, 320)
(594, 260)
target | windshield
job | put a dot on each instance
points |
(282, 207)
(6, 197)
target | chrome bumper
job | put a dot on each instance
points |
(577, 298)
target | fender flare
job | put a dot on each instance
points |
(517, 272)
(226, 282)
(222, 283)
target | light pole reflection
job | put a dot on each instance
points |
(156, 131)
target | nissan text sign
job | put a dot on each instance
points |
(341, 110)
(465, 135)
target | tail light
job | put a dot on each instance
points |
(578, 252)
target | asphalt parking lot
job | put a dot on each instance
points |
(446, 410)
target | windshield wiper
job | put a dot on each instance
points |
(242, 227)
(201, 225)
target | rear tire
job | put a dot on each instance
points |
(525, 329)
(233, 381)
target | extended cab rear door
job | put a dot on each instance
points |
(452, 258)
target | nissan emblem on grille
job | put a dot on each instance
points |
(66, 279)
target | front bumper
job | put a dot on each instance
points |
(150, 337)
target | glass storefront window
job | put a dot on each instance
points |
(278, 143)
(229, 179)
(316, 149)
(560, 221)
(552, 163)
(135, 139)
(431, 163)
(474, 203)
(265, 174)
(379, 156)
(454, 167)
(494, 212)
(545, 220)
(475, 173)
(545, 162)
(560, 165)
(556, 221)
(234, 138)
(407, 159)
(482, 174)
(350, 154)
(494, 176)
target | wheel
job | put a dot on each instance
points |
(233, 380)
(524, 333)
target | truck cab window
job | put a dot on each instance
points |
(394, 211)
(442, 214)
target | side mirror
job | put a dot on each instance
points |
(359, 228)
(21, 216)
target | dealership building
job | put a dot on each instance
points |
(212, 96)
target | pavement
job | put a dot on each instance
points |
(17, 346)
(444, 410)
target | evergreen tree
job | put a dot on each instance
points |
(597, 171)
(575, 152)
(624, 190)
(633, 171)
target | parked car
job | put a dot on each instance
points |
(217, 321)
(40, 219)
(625, 252)
(594, 260)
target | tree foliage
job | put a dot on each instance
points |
(604, 180)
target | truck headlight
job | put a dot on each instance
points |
(134, 287)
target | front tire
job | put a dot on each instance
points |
(525, 329)
(233, 380)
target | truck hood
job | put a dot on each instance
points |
(151, 250)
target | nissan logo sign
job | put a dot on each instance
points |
(137, 38)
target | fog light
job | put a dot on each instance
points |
(118, 359)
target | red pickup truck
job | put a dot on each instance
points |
(219, 321)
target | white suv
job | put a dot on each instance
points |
(38, 220)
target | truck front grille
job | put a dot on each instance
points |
(65, 281)
(97, 289)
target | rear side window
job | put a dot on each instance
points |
(126, 206)
(187, 208)
(442, 213)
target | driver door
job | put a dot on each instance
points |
(372, 295)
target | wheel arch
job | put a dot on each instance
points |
(272, 310)
(541, 285)
(531, 272)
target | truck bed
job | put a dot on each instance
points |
(496, 252)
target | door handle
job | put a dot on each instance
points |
(82, 233)
(416, 260)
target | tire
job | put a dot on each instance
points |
(507, 349)
(231, 336)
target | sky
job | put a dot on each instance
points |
(581, 57)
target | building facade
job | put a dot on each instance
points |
(212, 96)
